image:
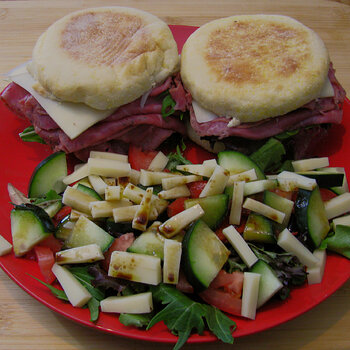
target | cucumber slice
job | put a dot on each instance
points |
(87, 232)
(279, 203)
(116, 229)
(311, 215)
(65, 228)
(269, 283)
(203, 255)
(325, 179)
(90, 191)
(258, 229)
(215, 208)
(30, 225)
(237, 162)
(148, 243)
(48, 176)
(53, 208)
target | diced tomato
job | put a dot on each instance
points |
(196, 154)
(176, 207)
(284, 194)
(229, 282)
(46, 259)
(224, 301)
(219, 232)
(121, 243)
(52, 243)
(196, 188)
(62, 213)
(140, 159)
(327, 194)
(225, 292)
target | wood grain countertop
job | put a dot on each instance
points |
(27, 324)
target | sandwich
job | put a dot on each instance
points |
(253, 77)
(101, 78)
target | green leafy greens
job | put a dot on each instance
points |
(177, 158)
(29, 135)
(182, 315)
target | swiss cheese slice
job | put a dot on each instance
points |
(203, 115)
(72, 118)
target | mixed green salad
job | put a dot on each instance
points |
(184, 240)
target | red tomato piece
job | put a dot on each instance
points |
(62, 213)
(140, 159)
(196, 154)
(224, 301)
(196, 188)
(51, 242)
(46, 260)
(176, 207)
(327, 194)
(225, 292)
(121, 243)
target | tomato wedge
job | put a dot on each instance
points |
(121, 243)
(46, 260)
(52, 243)
(176, 207)
(62, 213)
(196, 154)
(196, 188)
(140, 159)
(225, 292)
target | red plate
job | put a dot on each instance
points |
(19, 160)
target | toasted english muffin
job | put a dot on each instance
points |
(254, 67)
(103, 57)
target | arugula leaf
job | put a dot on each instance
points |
(94, 308)
(136, 320)
(339, 241)
(29, 135)
(168, 105)
(182, 315)
(60, 294)
(220, 324)
(49, 197)
(82, 274)
(177, 158)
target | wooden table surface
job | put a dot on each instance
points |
(24, 322)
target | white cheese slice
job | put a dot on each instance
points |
(72, 118)
(203, 115)
(327, 89)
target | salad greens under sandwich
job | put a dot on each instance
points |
(153, 237)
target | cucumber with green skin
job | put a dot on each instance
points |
(258, 228)
(30, 225)
(325, 179)
(148, 243)
(48, 176)
(215, 208)
(90, 191)
(269, 283)
(237, 162)
(311, 215)
(203, 255)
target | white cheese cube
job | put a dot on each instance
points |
(108, 167)
(240, 245)
(310, 164)
(264, 209)
(76, 293)
(135, 267)
(250, 294)
(292, 245)
(79, 255)
(159, 162)
(172, 260)
(109, 155)
(337, 206)
(237, 201)
(216, 183)
(315, 273)
(5, 246)
(131, 304)
(112, 193)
